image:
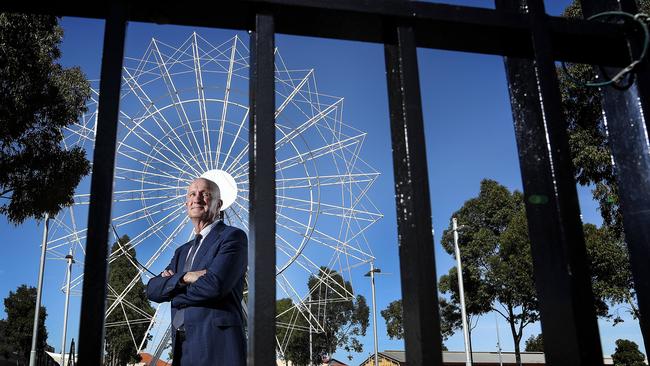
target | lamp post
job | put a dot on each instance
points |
(39, 290)
(311, 340)
(496, 321)
(461, 291)
(70, 259)
(371, 274)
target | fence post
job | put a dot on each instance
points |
(415, 237)
(261, 172)
(625, 112)
(93, 300)
(558, 249)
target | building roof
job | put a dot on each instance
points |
(145, 358)
(458, 357)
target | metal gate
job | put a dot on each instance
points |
(530, 41)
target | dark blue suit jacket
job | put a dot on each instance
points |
(214, 323)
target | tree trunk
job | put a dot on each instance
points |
(635, 311)
(515, 338)
(471, 350)
(517, 353)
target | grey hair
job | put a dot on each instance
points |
(215, 192)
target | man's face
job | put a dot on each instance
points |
(198, 200)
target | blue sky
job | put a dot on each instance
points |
(469, 135)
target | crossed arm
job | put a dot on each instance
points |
(195, 288)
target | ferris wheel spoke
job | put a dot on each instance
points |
(82, 132)
(298, 131)
(126, 318)
(237, 160)
(160, 185)
(119, 196)
(143, 173)
(355, 179)
(290, 291)
(215, 55)
(148, 104)
(173, 93)
(73, 237)
(159, 156)
(293, 93)
(326, 280)
(317, 238)
(235, 139)
(119, 220)
(200, 91)
(164, 245)
(143, 199)
(236, 214)
(167, 242)
(160, 145)
(119, 298)
(331, 210)
(316, 153)
(226, 97)
(132, 307)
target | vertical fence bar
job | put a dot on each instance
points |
(627, 129)
(93, 300)
(415, 237)
(261, 175)
(558, 249)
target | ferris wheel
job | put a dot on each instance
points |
(184, 114)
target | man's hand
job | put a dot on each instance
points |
(191, 277)
(167, 273)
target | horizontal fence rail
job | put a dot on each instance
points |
(442, 26)
(519, 30)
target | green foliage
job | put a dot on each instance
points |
(38, 98)
(120, 347)
(293, 331)
(16, 329)
(344, 317)
(450, 319)
(535, 343)
(611, 277)
(497, 264)
(627, 354)
(393, 316)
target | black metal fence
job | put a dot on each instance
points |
(530, 42)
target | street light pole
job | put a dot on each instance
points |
(39, 290)
(498, 340)
(461, 291)
(371, 274)
(311, 344)
(70, 259)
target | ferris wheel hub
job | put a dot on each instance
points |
(226, 183)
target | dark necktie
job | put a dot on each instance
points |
(189, 262)
(179, 318)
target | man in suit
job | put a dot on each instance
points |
(204, 283)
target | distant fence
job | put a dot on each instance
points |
(42, 359)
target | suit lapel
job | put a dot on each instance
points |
(183, 256)
(208, 242)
